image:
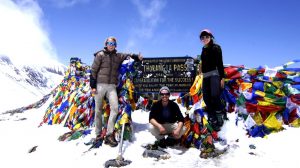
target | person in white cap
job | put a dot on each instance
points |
(166, 119)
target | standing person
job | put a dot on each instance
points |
(211, 66)
(104, 79)
(166, 119)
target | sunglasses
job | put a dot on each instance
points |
(204, 37)
(109, 43)
(164, 94)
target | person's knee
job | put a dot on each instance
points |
(114, 111)
(182, 131)
(114, 108)
(155, 132)
(153, 129)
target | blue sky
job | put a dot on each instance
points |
(250, 32)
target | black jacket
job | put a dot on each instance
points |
(156, 113)
(211, 59)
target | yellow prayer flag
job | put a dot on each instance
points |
(260, 93)
(272, 122)
(77, 126)
(55, 118)
(296, 123)
(263, 103)
(124, 119)
(196, 85)
(257, 118)
(277, 84)
(245, 86)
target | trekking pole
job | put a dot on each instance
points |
(119, 161)
(120, 155)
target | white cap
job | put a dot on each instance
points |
(164, 88)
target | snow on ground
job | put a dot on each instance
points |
(21, 132)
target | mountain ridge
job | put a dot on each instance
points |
(33, 81)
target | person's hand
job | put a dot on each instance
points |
(222, 83)
(176, 133)
(140, 57)
(162, 130)
(94, 91)
(199, 69)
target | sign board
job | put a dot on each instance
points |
(177, 73)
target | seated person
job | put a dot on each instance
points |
(166, 119)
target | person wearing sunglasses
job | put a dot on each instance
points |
(166, 119)
(212, 69)
(103, 82)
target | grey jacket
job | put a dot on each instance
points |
(105, 67)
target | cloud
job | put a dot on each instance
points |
(67, 3)
(23, 37)
(150, 17)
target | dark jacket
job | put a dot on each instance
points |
(156, 113)
(211, 59)
(105, 67)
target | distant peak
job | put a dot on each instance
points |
(5, 60)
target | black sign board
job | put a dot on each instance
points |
(177, 73)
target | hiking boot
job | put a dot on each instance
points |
(161, 143)
(170, 141)
(101, 134)
(97, 142)
(219, 118)
(100, 137)
(216, 127)
(110, 140)
(225, 118)
(152, 146)
(214, 124)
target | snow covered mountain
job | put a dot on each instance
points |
(25, 84)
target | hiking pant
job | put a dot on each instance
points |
(108, 90)
(169, 128)
(211, 95)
